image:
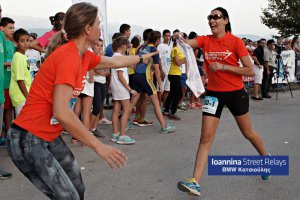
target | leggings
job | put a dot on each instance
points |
(50, 166)
(175, 93)
(99, 96)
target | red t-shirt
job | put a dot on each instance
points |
(63, 66)
(226, 50)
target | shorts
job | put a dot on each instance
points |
(200, 68)
(166, 84)
(88, 89)
(131, 80)
(7, 103)
(183, 79)
(236, 101)
(258, 75)
(144, 84)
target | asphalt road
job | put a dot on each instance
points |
(157, 162)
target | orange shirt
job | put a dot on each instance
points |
(226, 50)
(63, 66)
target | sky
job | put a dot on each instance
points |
(185, 15)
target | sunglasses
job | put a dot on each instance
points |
(215, 17)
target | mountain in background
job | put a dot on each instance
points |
(42, 25)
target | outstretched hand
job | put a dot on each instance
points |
(178, 35)
(112, 156)
(148, 56)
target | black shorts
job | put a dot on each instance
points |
(236, 101)
(131, 80)
(144, 84)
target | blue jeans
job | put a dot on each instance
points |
(50, 166)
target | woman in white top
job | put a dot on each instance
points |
(121, 94)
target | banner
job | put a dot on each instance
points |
(248, 165)
(287, 68)
(101, 4)
(194, 81)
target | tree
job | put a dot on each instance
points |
(283, 15)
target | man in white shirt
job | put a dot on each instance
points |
(165, 61)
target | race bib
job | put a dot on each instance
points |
(8, 68)
(210, 105)
(72, 102)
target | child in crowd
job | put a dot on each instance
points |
(7, 26)
(34, 57)
(84, 102)
(143, 82)
(121, 95)
(99, 92)
(165, 59)
(20, 75)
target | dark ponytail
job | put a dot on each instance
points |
(225, 15)
(55, 21)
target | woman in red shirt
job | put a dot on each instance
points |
(222, 51)
(34, 142)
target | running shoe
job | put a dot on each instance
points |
(135, 121)
(145, 123)
(98, 133)
(114, 137)
(266, 177)
(4, 174)
(125, 139)
(169, 128)
(181, 107)
(190, 185)
(105, 121)
(129, 126)
(174, 117)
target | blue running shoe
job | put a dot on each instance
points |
(190, 185)
(266, 177)
(125, 140)
(169, 128)
(114, 137)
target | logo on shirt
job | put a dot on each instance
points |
(217, 56)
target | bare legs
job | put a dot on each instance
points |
(208, 132)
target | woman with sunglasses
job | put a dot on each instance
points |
(222, 52)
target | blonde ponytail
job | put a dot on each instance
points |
(57, 40)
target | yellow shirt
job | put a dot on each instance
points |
(175, 69)
(131, 70)
(19, 71)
